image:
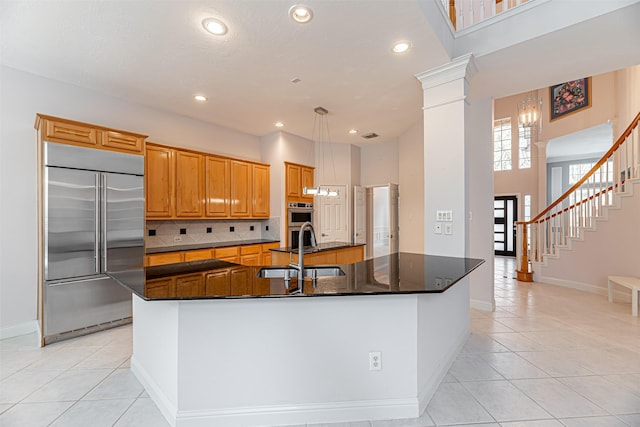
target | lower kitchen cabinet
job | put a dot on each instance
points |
(160, 288)
(252, 255)
(337, 256)
(164, 258)
(217, 283)
(192, 284)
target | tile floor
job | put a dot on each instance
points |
(548, 356)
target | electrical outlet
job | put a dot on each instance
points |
(438, 228)
(375, 361)
(177, 238)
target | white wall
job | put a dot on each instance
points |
(587, 265)
(379, 163)
(411, 188)
(277, 148)
(24, 95)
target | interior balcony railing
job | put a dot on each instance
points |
(465, 13)
(579, 207)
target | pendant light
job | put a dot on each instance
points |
(321, 135)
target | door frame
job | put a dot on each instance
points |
(516, 200)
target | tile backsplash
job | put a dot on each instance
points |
(159, 234)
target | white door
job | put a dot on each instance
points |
(359, 215)
(333, 217)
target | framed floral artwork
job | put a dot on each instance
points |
(570, 97)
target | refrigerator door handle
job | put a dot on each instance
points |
(103, 225)
(97, 224)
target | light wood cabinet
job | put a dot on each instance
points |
(240, 189)
(293, 180)
(190, 285)
(298, 177)
(189, 184)
(267, 254)
(159, 181)
(260, 191)
(230, 254)
(160, 288)
(306, 177)
(217, 187)
(241, 281)
(218, 283)
(164, 258)
(338, 256)
(64, 131)
(198, 255)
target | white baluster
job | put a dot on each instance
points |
(471, 20)
(481, 10)
(494, 10)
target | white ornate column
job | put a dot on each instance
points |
(458, 168)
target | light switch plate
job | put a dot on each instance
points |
(438, 228)
(448, 228)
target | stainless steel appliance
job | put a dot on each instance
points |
(298, 213)
(93, 225)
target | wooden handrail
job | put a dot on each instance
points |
(584, 179)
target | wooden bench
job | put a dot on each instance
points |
(628, 282)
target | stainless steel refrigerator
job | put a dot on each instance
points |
(93, 225)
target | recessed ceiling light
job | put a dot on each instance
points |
(352, 131)
(215, 26)
(279, 124)
(402, 46)
(200, 98)
(301, 14)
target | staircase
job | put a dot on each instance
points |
(565, 227)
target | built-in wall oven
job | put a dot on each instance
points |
(298, 213)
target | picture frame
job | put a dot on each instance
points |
(569, 97)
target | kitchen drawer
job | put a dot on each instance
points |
(198, 255)
(267, 246)
(164, 258)
(226, 252)
(249, 249)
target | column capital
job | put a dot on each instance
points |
(460, 67)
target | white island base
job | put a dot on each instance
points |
(296, 360)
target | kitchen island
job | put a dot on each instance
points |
(276, 356)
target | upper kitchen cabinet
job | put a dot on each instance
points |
(260, 186)
(298, 177)
(189, 184)
(159, 181)
(241, 189)
(64, 131)
(217, 187)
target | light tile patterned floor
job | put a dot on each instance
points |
(548, 356)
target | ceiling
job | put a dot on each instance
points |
(160, 55)
(156, 53)
(588, 143)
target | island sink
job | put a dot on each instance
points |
(309, 271)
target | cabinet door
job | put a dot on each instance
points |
(266, 258)
(293, 180)
(254, 259)
(217, 187)
(241, 281)
(307, 181)
(69, 133)
(122, 141)
(217, 283)
(190, 286)
(159, 182)
(350, 255)
(164, 258)
(240, 189)
(160, 288)
(260, 194)
(198, 255)
(189, 184)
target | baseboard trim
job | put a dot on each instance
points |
(585, 287)
(483, 305)
(167, 409)
(19, 329)
(276, 415)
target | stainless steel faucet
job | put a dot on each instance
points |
(300, 265)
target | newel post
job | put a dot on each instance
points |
(523, 274)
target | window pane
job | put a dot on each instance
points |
(502, 144)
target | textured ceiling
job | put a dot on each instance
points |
(157, 53)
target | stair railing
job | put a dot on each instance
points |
(578, 207)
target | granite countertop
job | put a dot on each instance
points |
(321, 247)
(210, 245)
(400, 273)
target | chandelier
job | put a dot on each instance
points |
(321, 130)
(530, 112)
